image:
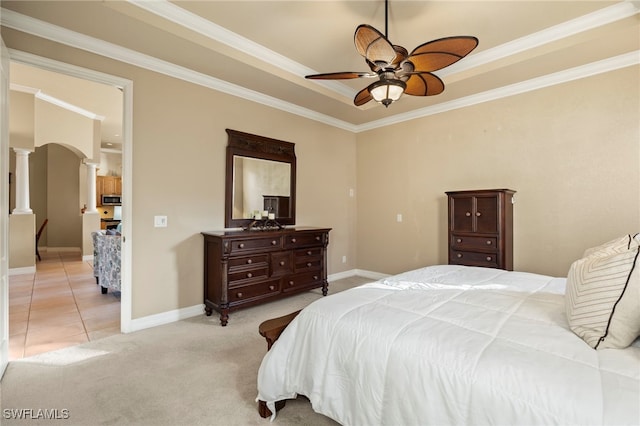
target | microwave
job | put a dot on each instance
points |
(111, 200)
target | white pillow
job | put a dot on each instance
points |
(602, 299)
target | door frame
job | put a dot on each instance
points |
(4, 206)
(126, 86)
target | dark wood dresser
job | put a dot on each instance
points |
(245, 268)
(481, 228)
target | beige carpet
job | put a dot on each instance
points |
(192, 372)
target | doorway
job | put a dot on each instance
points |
(125, 89)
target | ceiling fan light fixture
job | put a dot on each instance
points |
(387, 91)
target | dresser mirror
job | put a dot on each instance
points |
(260, 177)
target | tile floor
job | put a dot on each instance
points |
(58, 306)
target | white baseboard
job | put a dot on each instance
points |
(371, 274)
(22, 271)
(192, 311)
(87, 258)
(165, 317)
(341, 275)
(357, 272)
(59, 249)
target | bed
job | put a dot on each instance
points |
(450, 344)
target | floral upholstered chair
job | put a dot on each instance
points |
(106, 260)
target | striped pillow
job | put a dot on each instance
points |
(602, 298)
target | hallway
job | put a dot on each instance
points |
(59, 306)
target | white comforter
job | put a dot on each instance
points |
(450, 345)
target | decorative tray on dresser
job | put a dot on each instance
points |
(246, 268)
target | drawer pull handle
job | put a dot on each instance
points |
(309, 253)
(315, 277)
(274, 242)
(291, 283)
(282, 262)
(467, 214)
(241, 245)
(249, 275)
(239, 295)
(459, 240)
(308, 264)
(489, 242)
(249, 261)
(317, 237)
(293, 240)
(478, 214)
(488, 258)
(272, 287)
(459, 255)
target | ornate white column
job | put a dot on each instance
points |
(22, 182)
(91, 188)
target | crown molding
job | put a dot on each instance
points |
(29, 25)
(577, 73)
(17, 21)
(37, 93)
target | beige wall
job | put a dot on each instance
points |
(63, 204)
(567, 150)
(23, 249)
(54, 124)
(21, 119)
(571, 152)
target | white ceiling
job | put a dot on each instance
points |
(261, 50)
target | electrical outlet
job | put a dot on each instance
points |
(160, 221)
(399, 217)
(344, 259)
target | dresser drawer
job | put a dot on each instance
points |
(308, 263)
(303, 280)
(468, 242)
(304, 239)
(248, 261)
(240, 245)
(252, 291)
(281, 263)
(471, 258)
(237, 278)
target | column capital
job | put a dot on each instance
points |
(22, 150)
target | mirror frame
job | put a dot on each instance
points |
(254, 146)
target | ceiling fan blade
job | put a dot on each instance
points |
(437, 54)
(424, 84)
(362, 97)
(344, 75)
(374, 46)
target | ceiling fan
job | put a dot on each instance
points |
(397, 70)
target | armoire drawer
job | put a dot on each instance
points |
(471, 258)
(474, 242)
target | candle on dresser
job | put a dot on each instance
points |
(265, 213)
(272, 216)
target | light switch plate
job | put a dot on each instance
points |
(160, 221)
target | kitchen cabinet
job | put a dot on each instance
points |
(107, 185)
